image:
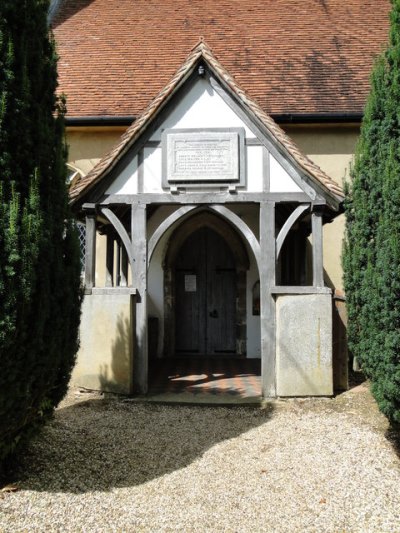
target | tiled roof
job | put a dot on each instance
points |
(202, 51)
(291, 56)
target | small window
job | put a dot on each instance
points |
(82, 242)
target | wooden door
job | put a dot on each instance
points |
(205, 296)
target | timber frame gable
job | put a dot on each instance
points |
(315, 183)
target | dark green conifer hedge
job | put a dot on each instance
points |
(40, 291)
(371, 257)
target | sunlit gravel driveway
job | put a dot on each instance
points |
(294, 466)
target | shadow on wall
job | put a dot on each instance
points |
(116, 377)
(103, 444)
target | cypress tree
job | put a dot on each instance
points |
(371, 258)
(40, 291)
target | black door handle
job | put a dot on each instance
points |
(214, 313)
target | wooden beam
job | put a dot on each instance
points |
(267, 302)
(292, 219)
(165, 225)
(119, 228)
(265, 169)
(124, 268)
(217, 197)
(90, 251)
(317, 249)
(109, 260)
(243, 229)
(140, 170)
(139, 281)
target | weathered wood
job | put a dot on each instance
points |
(139, 280)
(250, 141)
(265, 169)
(140, 170)
(90, 251)
(243, 229)
(124, 268)
(208, 198)
(207, 296)
(119, 228)
(164, 226)
(152, 144)
(317, 249)
(118, 264)
(110, 261)
(292, 219)
(267, 303)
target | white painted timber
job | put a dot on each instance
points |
(127, 180)
(304, 345)
(280, 181)
(202, 107)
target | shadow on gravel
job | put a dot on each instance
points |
(393, 436)
(97, 445)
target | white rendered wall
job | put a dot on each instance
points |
(280, 181)
(152, 170)
(202, 107)
(127, 181)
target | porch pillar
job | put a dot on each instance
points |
(139, 281)
(90, 250)
(267, 302)
(317, 249)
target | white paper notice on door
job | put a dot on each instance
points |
(190, 283)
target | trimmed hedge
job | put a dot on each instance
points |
(40, 291)
(371, 257)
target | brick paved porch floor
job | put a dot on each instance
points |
(233, 377)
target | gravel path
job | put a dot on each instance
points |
(295, 466)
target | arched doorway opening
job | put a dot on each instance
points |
(205, 289)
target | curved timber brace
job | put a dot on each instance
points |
(123, 234)
(290, 222)
(228, 215)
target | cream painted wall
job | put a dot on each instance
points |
(88, 145)
(332, 149)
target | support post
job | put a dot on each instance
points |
(317, 249)
(139, 281)
(90, 251)
(118, 264)
(267, 302)
(124, 268)
(110, 260)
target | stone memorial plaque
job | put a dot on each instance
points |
(202, 155)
